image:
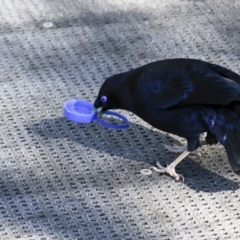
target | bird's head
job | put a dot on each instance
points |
(110, 94)
(114, 94)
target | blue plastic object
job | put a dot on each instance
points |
(79, 111)
(84, 112)
(110, 125)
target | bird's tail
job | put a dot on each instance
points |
(232, 146)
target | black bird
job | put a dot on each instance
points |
(185, 97)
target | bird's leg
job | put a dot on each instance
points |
(181, 149)
(170, 169)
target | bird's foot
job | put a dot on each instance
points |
(175, 148)
(170, 170)
(197, 153)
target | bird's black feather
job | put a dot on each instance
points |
(185, 97)
(196, 82)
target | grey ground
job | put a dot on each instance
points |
(61, 180)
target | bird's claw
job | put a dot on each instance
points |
(175, 148)
(198, 153)
(170, 170)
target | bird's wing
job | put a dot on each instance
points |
(197, 84)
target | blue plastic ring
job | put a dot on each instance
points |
(111, 125)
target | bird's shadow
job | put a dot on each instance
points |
(138, 142)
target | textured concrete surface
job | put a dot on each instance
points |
(61, 180)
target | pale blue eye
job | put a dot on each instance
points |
(103, 99)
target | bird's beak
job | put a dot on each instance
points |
(97, 107)
(99, 111)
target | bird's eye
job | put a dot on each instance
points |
(103, 99)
